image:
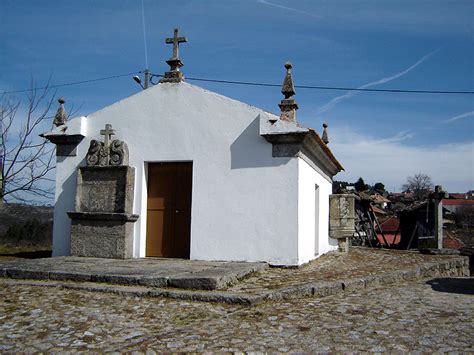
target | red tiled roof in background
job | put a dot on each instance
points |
(448, 202)
(458, 196)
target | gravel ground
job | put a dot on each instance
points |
(430, 315)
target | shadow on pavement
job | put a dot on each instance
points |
(453, 285)
(30, 254)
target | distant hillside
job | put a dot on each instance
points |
(17, 214)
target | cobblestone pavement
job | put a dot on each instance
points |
(429, 315)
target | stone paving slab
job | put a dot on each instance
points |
(151, 272)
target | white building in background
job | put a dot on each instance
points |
(222, 179)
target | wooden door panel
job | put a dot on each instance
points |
(183, 195)
(183, 189)
(160, 186)
(182, 232)
(154, 246)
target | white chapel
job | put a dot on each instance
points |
(211, 178)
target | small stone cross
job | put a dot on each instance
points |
(175, 40)
(108, 132)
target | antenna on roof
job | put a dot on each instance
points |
(144, 35)
(147, 76)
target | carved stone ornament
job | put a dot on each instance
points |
(118, 153)
(104, 153)
(92, 157)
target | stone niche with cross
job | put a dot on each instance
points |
(102, 223)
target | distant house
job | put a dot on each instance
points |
(470, 194)
(453, 205)
(458, 196)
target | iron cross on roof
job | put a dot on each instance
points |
(108, 132)
(176, 40)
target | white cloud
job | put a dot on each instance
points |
(264, 2)
(390, 161)
(331, 104)
(458, 117)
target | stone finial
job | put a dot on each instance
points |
(288, 105)
(60, 117)
(325, 136)
(174, 75)
(288, 89)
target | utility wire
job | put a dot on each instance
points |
(330, 87)
(73, 83)
(255, 84)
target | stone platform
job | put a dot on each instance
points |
(235, 282)
(150, 272)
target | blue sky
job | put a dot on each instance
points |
(423, 45)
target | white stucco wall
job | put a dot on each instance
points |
(244, 201)
(313, 213)
(66, 178)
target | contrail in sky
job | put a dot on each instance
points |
(400, 136)
(331, 104)
(264, 2)
(458, 117)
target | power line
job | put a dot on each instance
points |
(331, 87)
(73, 83)
(255, 84)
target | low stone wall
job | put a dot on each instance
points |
(454, 267)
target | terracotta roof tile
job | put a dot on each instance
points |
(448, 202)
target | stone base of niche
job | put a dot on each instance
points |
(102, 235)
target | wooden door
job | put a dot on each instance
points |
(169, 210)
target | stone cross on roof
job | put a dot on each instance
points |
(174, 75)
(108, 132)
(176, 40)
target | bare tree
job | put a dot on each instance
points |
(420, 185)
(27, 158)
